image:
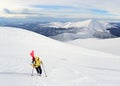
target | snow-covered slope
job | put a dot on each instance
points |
(66, 65)
(84, 29)
(104, 45)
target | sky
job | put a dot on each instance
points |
(103, 9)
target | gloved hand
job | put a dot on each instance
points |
(33, 61)
(33, 65)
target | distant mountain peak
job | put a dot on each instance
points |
(85, 29)
(80, 24)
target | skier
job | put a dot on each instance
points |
(36, 63)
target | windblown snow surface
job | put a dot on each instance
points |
(111, 45)
(65, 64)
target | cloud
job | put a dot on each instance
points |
(7, 11)
(53, 7)
(61, 8)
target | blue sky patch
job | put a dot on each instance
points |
(99, 11)
(53, 7)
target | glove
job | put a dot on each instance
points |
(33, 61)
(33, 65)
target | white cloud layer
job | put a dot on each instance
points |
(67, 8)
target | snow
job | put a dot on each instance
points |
(80, 24)
(65, 64)
(104, 45)
(83, 29)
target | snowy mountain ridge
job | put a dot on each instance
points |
(80, 24)
(65, 31)
(84, 29)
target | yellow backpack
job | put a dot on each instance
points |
(37, 62)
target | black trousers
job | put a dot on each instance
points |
(39, 69)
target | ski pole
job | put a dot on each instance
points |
(32, 71)
(44, 70)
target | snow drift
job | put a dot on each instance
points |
(66, 65)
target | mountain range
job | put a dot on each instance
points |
(84, 29)
(66, 31)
